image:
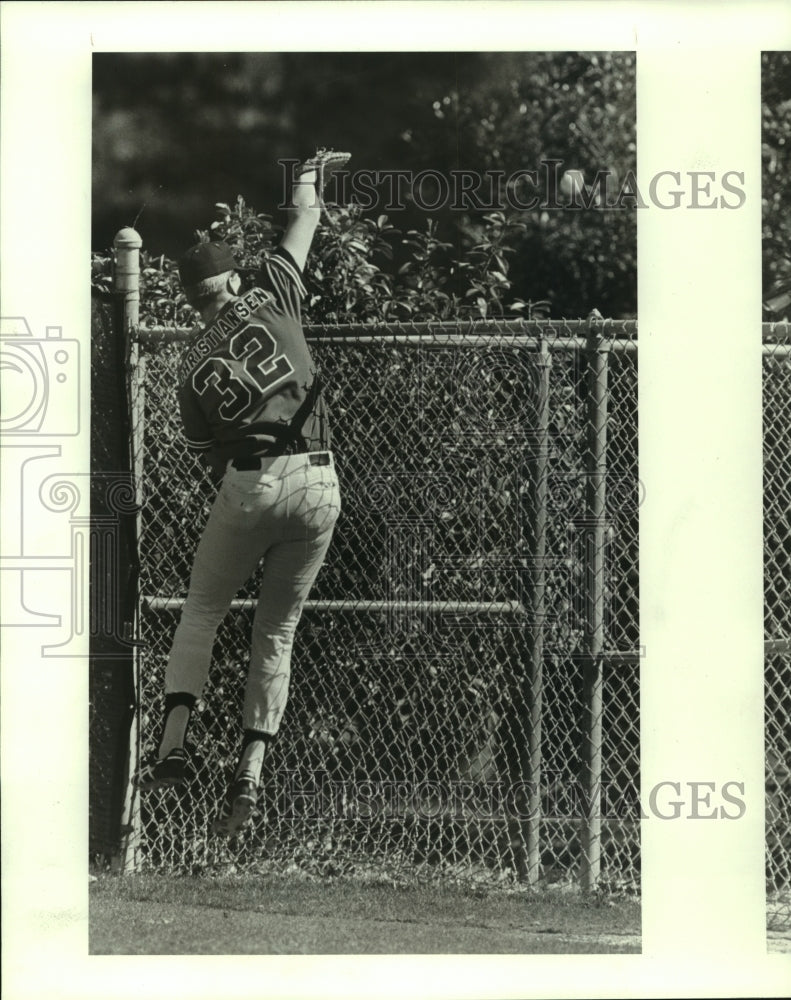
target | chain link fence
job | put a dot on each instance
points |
(465, 699)
(450, 704)
(409, 717)
(777, 616)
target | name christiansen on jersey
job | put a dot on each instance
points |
(232, 320)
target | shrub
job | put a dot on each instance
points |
(354, 272)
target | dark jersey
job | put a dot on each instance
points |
(249, 373)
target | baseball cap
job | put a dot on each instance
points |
(205, 260)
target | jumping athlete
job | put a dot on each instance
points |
(251, 406)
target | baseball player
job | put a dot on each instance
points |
(251, 406)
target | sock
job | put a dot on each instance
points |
(178, 709)
(251, 758)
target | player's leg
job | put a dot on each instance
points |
(228, 553)
(289, 574)
(290, 569)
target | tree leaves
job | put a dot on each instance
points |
(776, 204)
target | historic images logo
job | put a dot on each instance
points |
(551, 186)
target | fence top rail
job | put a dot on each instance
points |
(776, 333)
(772, 333)
(563, 333)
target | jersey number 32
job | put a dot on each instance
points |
(254, 367)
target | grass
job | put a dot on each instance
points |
(778, 922)
(281, 915)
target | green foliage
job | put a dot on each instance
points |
(776, 198)
(528, 108)
(250, 234)
(351, 273)
(346, 272)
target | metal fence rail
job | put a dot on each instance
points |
(465, 696)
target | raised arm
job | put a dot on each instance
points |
(304, 215)
(306, 201)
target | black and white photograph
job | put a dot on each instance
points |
(381, 430)
(389, 606)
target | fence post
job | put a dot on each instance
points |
(126, 285)
(597, 350)
(535, 665)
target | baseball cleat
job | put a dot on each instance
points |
(237, 808)
(170, 771)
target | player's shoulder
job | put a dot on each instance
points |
(280, 255)
(283, 262)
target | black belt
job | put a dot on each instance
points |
(252, 464)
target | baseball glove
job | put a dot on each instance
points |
(325, 162)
